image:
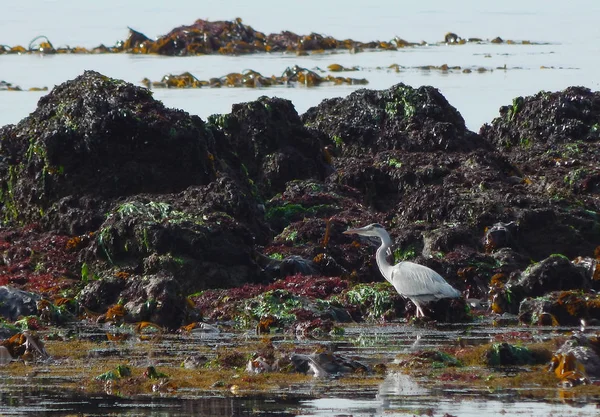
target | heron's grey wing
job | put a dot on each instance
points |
(418, 281)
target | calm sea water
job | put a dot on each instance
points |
(569, 31)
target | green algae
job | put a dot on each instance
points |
(290, 211)
(503, 354)
(121, 371)
(277, 303)
(375, 300)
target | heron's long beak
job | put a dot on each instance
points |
(352, 231)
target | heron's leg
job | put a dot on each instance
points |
(419, 311)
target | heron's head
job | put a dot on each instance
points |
(374, 229)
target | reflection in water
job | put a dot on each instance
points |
(397, 385)
(397, 395)
(28, 401)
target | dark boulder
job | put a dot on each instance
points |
(586, 351)
(545, 230)
(229, 196)
(154, 298)
(100, 294)
(553, 139)
(15, 303)
(268, 145)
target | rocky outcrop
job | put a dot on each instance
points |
(143, 202)
(97, 138)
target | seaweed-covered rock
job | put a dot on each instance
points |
(234, 38)
(565, 308)
(553, 138)
(200, 250)
(547, 118)
(153, 204)
(585, 349)
(156, 298)
(401, 117)
(100, 136)
(505, 354)
(231, 197)
(100, 294)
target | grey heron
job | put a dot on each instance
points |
(416, 282)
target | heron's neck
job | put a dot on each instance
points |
(381, 258)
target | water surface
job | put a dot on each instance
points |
(396, 395)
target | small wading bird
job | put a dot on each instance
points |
(416, 282)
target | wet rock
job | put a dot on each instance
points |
(76, 215)
(565, 308)
(100, 294)
(449, 310)
(261, 193)
(305, 199)
(304, 303)
(291, 265)
(326, 364)
(511, 260)
(546, 118)
(570, 231)
(446, 239)
(500, 235)
(15, 303)
(155, 298)
(230, 196)
(554, 273)
(103, 137)
(5, 356)
(585, 351)
(194, 362)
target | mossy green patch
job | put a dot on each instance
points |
(517, 105)
(288, 212)
(279, 304)
(374, 300)
(505, 354)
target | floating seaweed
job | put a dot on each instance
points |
(204, 37)
(6, 86)
(252, 79)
